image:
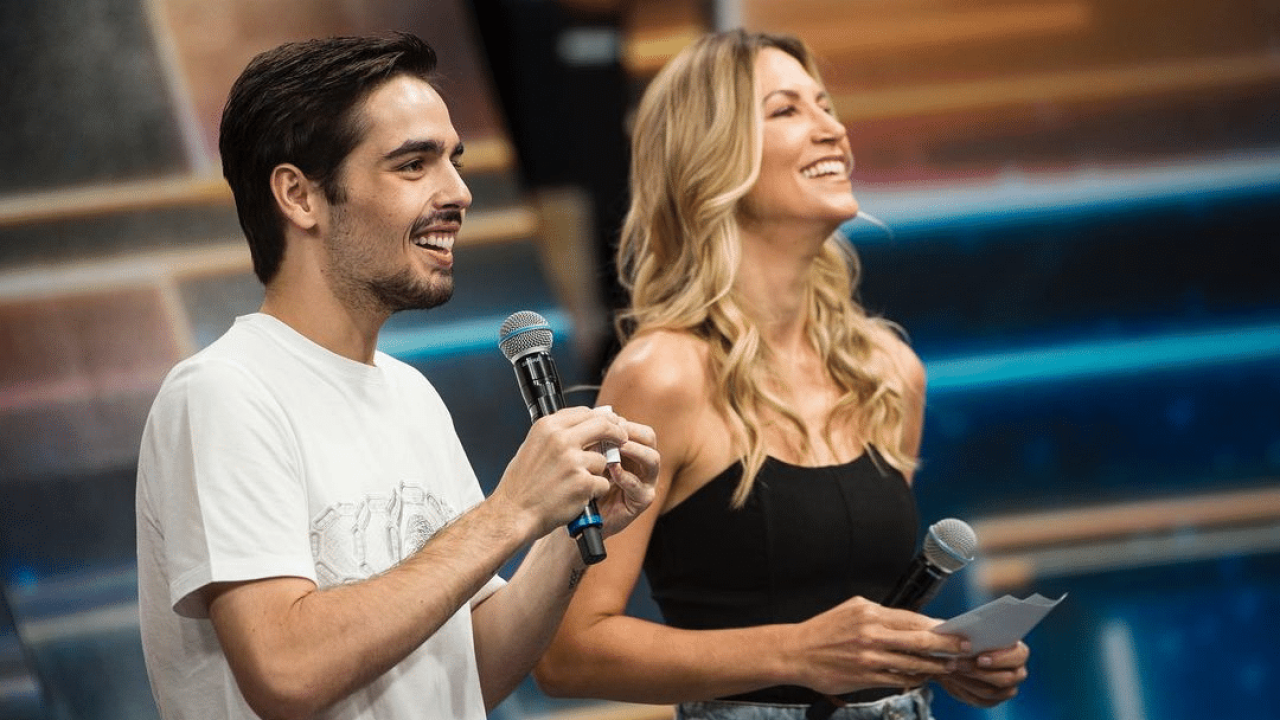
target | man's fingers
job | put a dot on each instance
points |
(644, 459)
(642, 434)
(583, 427)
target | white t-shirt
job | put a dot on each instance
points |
(266, 455)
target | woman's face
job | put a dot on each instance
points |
(806, 159)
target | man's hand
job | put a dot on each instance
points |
(559, 468)
(633, 479)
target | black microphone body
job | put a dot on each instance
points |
(539, 384)
(540, 387)
(948, 546)
(918, 586)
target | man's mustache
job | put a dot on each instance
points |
(449, 216)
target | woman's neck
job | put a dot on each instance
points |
(773, 282)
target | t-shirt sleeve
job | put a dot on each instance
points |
(225, 475)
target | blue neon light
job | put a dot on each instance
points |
(1017, 195)
(1101, 358)
(459, 337)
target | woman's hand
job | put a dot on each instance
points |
(988, 679)
(860, 644)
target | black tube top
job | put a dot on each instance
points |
(807, 539)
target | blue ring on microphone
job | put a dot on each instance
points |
(525, 329)
(585, 520)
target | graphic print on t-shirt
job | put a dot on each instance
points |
(352, 541)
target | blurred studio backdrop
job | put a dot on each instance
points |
(1083, 203)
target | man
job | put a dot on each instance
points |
(311, 538)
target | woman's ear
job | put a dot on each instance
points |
(299, 199)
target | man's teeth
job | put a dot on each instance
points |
(826, 167)
(435, 241)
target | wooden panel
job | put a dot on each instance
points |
(933, 89)
(1016, 550)
(212, 43)
(657, 30)
(486, 155)
(78, 376)
(1008, 534)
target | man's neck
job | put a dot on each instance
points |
(323, 319)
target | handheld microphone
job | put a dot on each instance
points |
(525, 339)
(948, 546)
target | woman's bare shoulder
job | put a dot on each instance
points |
(665, 365)
(663, 378)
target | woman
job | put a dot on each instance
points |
(788, 422)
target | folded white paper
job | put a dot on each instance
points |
(1000, 623)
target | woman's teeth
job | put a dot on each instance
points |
(826, 167)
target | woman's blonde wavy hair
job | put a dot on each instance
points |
(696, 151)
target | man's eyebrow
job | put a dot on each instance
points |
(425, 147)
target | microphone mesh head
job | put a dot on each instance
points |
(950, 544)
(522, 333)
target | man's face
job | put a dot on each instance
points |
(390, 242)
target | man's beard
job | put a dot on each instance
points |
(403, 291)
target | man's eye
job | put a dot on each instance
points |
(412, 166)
(457, 163)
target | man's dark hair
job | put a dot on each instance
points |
(299, 104)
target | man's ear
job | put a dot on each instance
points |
(299, 199)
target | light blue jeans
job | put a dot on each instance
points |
(913, 705)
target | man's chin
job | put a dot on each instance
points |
(425, 301)
(398, 297)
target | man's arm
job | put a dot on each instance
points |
(514, 626)
(295, 650)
